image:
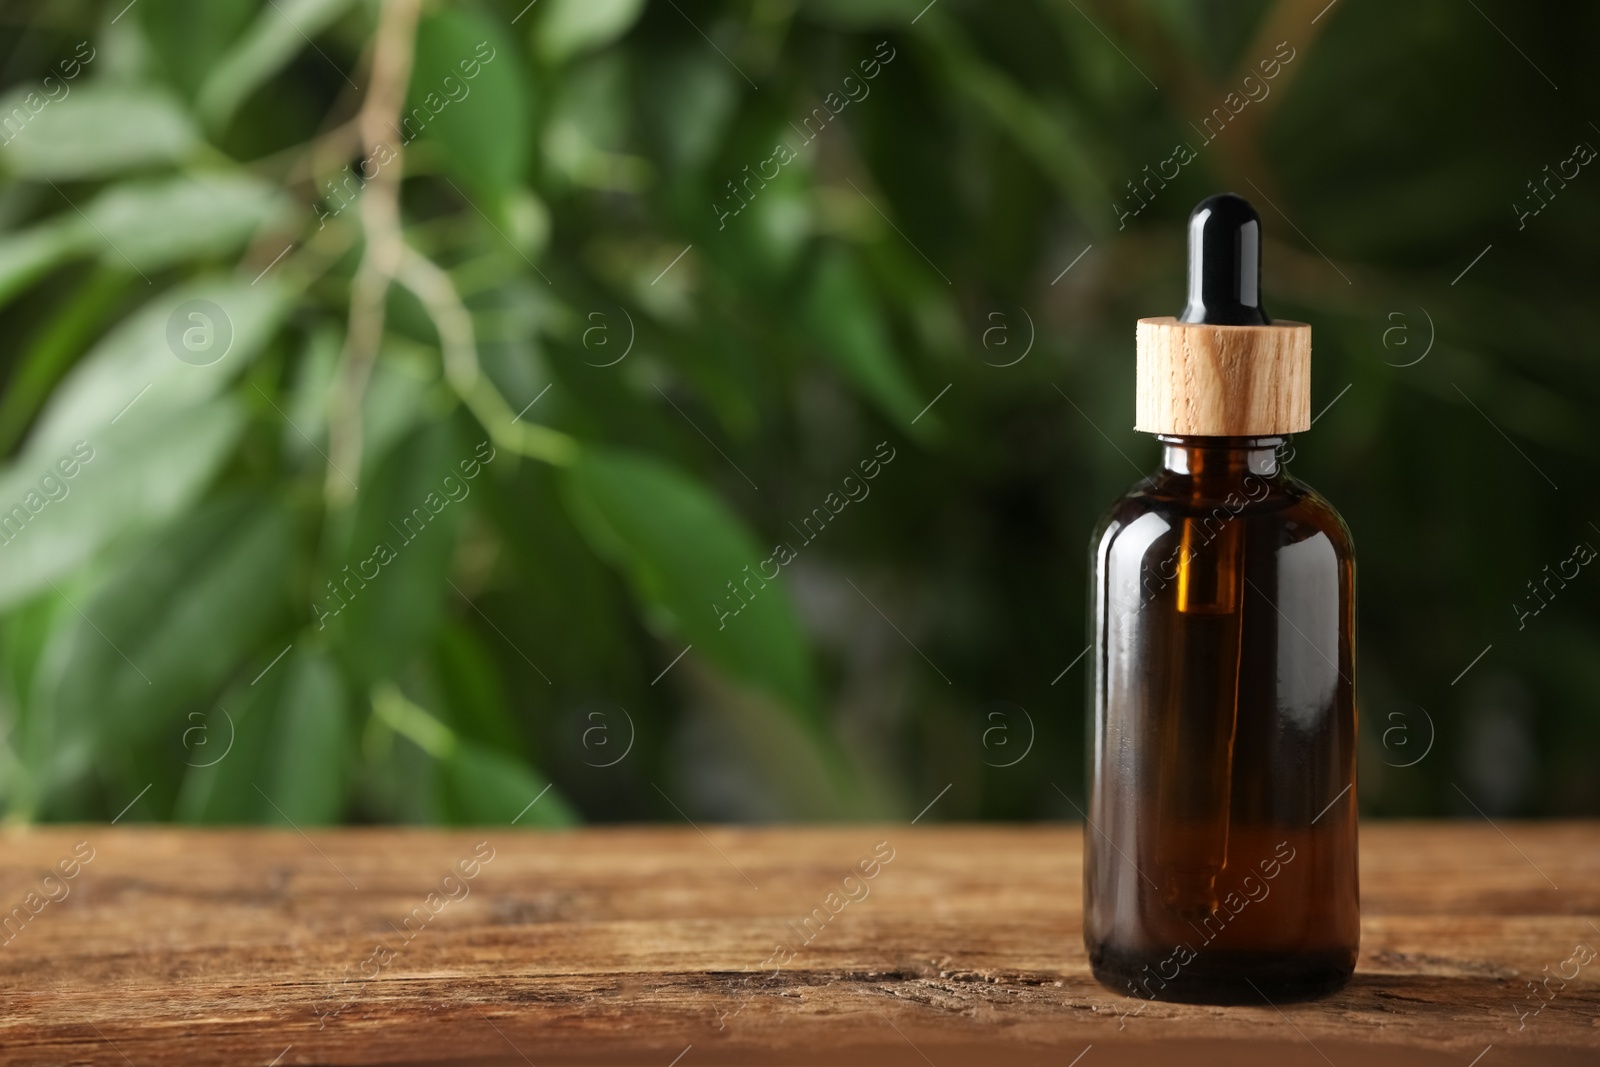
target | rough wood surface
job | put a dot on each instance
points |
(1223, 381)
(631, 946)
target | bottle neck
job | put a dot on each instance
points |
(1223, 459)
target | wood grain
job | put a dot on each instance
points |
(1223, 381)
(631, 945)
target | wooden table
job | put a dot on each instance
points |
(656, 946)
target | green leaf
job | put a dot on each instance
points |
(276, 745)
(481, 787)
(587, 133)
(145, 226)
(187, 37)
(138, 353)
(226, 749)
(547, 561)
(469, 93)
(163, 633)
(126, 423)
(155, 224)
(24, 634)
(400, 397)
(680, 547)
(381, 588)
(569, 27)
(76, 318)
(1064, 139)
(865, 14)
(96, 131)
(847, 326)
(127, 439)
(124, 478)
(28, 254)
(280, 32)
(470, 684)
(694, 97)
(305, 778)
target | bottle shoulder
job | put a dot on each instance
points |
(1320, 514)
(1279, 500)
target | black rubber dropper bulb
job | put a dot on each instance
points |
(1225, 263)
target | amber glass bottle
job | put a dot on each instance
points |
(1220, 859)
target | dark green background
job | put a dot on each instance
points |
(914, 248)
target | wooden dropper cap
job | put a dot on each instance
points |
(1224, 368)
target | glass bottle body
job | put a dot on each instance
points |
(1220, 859)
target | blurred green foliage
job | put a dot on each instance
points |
(658, 283)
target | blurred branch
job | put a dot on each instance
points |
(305, 161)
(387, 259)
(380, 221)
(1287, 21)
(1191, 92)
(437, 293)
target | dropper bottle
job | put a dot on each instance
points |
(1220, 859)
